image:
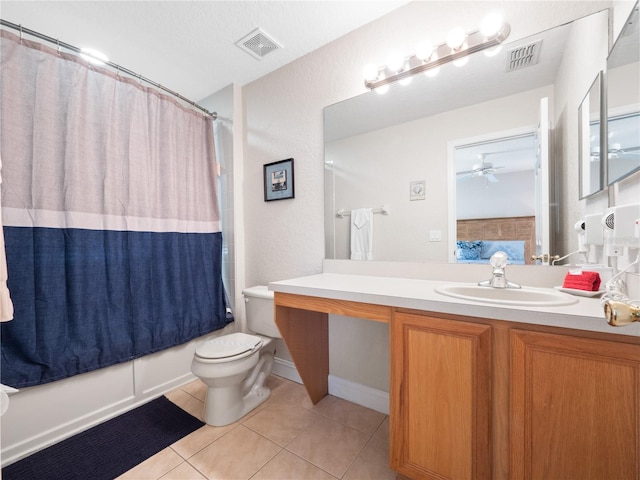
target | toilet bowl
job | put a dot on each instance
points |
(235, 367)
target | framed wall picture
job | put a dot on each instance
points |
(278, 180)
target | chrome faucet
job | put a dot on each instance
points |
(499, 261)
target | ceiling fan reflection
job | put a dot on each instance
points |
(616, 152)
(482, 169)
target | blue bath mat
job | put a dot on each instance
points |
(110, 449)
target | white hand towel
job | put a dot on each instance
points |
(6, 305)
(361, 234)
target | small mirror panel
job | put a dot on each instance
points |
(589, 137)
(623, 103)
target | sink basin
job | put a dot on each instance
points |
(525, 296)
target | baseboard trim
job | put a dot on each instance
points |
(369, 397)
(286, 369)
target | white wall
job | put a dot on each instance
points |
(479, 198)
(285, 239)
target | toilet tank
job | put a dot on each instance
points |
(259, 306)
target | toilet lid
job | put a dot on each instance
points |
(228, 345)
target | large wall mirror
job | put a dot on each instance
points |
(380, 148)
(623, 102)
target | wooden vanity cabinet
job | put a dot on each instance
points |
(575, 408)
(474, 398)
(440, 398)
(480, 399)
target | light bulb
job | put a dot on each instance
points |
(405, 81)
(370, 72)
(456, 38)
(382, 89)
(395, 61)
(491, 24)
(424, 50)
(492, 52)
(461, 62)
(432, 72)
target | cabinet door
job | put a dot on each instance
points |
(441, 393)
(575, 408)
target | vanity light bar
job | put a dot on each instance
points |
(475, 42)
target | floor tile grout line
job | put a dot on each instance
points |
(369, 439)
(366, 444)
(208, 444)
(312, 409)
(311, 463)
(266, 463)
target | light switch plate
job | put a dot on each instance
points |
(435, 236)
(416, 190)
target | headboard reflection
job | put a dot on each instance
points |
(494, 229)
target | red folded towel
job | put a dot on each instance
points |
(589, 281)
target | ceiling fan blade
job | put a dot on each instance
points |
(504, 152)
(492, 178)
(628, 155)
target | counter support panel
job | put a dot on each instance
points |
(306, 334)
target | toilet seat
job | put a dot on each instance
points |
(228, 347)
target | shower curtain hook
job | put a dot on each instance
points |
(21, 32)
(58, 43)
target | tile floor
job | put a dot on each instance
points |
(284, 438)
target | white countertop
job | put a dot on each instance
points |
(586, 314)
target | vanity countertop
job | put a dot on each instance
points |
(586, 314)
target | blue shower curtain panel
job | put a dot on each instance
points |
(87, 299)
(111, 219)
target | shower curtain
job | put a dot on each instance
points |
(111, 221)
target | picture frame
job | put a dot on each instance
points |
(278, 180)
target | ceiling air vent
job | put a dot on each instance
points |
(523, 56)
(258, 44)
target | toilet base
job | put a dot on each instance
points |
(238, 406)
(224, 405)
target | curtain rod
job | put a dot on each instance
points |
(119, 68)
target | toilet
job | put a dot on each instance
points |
(235, 367)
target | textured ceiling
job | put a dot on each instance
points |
(189, 46)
